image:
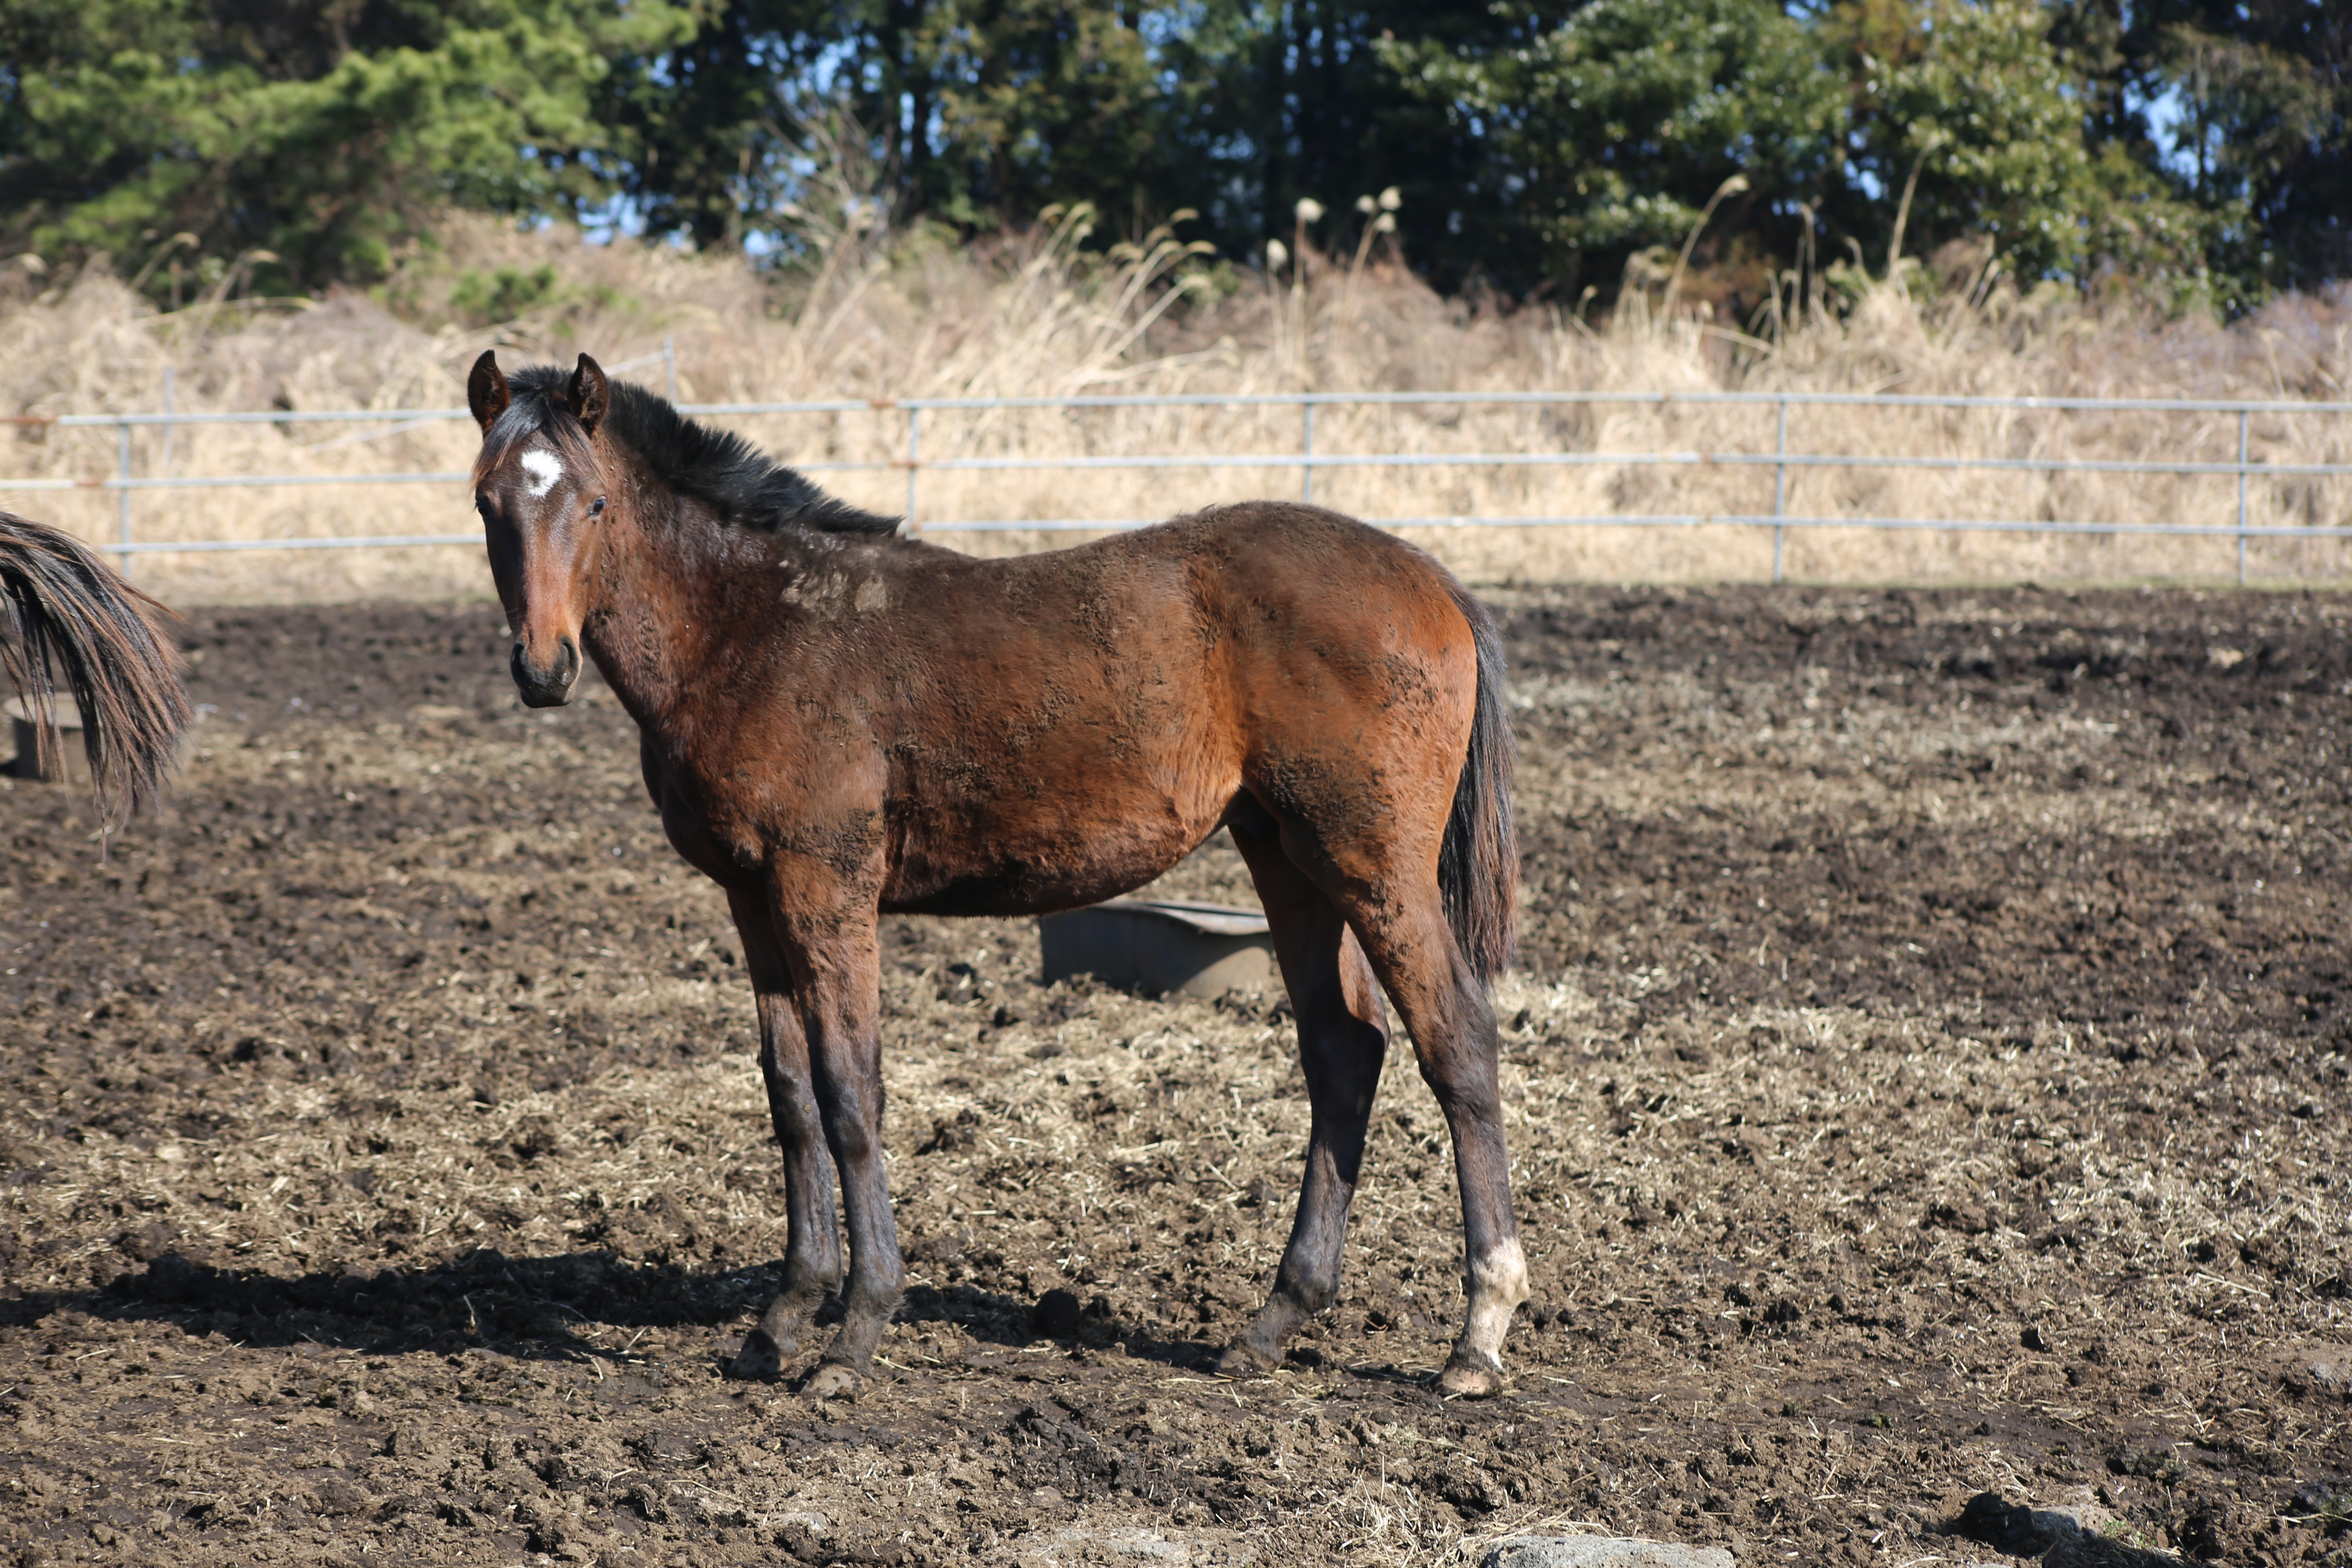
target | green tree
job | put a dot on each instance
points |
(2245, 108)
(1293, 99)
(2267, 138)
(322, 134)
(718, 124)
(1969, 106)
(1616, 128)
(1537, 143)
(1044, 102)
(980, 113)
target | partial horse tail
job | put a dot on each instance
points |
(1478, 864)
(73, 615)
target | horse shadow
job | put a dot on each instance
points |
(571, 1307)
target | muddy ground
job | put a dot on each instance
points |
(1927, 1073)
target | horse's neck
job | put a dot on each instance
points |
(674, 603)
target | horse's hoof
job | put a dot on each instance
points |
(832, 1380)
(1242, 1359)
(1469, 1375)
(761, 1360)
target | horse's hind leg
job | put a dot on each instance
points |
(1402, 924)
(813, 1239)
(1342, 1037)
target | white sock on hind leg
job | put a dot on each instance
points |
(1497, 1283)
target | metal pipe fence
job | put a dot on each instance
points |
(1306, 460)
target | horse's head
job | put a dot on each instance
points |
(540, 486)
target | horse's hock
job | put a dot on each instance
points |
(1158, 946)
(64, 762)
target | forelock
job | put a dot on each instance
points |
(533, 411)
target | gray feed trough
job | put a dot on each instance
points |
(1146, 944)
(66, 760)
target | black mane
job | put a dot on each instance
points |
(742, 484)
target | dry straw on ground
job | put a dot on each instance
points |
(1923, 1076)
(1044, 316)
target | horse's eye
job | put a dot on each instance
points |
(596, 507)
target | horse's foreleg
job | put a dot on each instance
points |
(841, 1005)
(1342, 1037)
(1452, 1023)
(812, 1235)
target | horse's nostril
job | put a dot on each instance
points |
(558, 671)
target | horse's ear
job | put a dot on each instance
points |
(486, 390)
(588, 394)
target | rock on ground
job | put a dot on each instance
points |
(1602, 1552)
(1137, 1547)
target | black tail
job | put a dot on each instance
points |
(1479, 864)
(71, 612)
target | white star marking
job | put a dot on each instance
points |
(544, 471)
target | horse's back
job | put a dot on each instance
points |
(1285, 558)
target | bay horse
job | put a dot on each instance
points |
(69, 614)
(839, 721)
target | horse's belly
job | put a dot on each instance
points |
(1001, 864)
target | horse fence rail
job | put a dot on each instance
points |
(1305, 460)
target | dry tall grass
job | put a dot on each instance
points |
(1039, 316)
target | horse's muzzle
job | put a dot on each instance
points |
(549, 685)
